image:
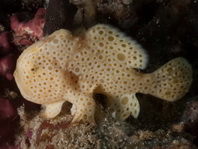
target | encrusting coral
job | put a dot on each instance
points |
(7, 63)
(63, 67)
(26, 33)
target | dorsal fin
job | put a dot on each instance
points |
(105, 37)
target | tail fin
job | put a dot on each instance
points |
(172, 81)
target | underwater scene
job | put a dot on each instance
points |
(98, 74)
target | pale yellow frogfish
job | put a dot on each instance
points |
(62, 67)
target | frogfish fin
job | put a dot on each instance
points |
(126, 49)
(127, 105)
(172, 81)
(52, 110)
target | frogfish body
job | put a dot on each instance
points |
(62, 67)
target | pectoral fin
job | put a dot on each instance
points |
(52, 110)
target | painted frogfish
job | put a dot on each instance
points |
(63, 67)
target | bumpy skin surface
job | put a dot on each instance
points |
(63, 67)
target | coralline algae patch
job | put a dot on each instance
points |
(63, 67)
(26, 33)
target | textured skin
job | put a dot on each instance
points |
(63, 67)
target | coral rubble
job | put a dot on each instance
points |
(59, 133)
